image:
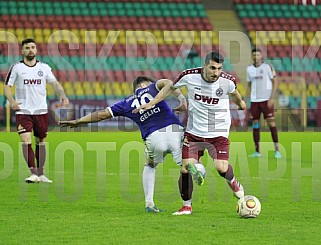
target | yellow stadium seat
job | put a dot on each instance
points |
(107, 87)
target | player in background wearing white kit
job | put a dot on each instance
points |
(160, 128)
(262, 85)
(30, 77)
(208, 123)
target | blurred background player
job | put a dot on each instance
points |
(262, 85)
(160, 128)
(30, 77)
(208, 123)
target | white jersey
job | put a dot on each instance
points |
(30, 86)
(208, 103)
(261, 81)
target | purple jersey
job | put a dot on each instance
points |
(160, 116)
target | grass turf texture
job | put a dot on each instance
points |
(98, 199)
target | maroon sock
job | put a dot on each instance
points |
(256, 137)
(274, 133)
(185, 185)
(229, 174)
(41, 157)
(29, 157)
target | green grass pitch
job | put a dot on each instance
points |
(97, 195)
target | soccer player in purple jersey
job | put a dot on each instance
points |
(160, 128)
(30, 77)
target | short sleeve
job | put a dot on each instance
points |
(248, 78)
(12, 76)
(50, 76)
(232, 86)
(181, 80)
(272, 72)
(118, 109)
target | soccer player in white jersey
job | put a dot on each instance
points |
(262, 85)
(208, 123)
(30, 77)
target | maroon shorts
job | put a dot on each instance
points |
(194, 147)
(261, 107)
(36, 123)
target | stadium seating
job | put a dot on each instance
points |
(108, 42)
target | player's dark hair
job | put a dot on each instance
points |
(27, 40)
(141, 79)
(256, 50)
(215, 56)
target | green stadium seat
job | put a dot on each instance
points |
(312, 102)
(94, 12)
(84, 11)
(75, 11)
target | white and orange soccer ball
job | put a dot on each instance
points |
(248, 207)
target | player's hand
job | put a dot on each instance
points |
(181, 108)
(15, 106)
(270, 103)
(71, 123)
(64, 100)
(242, 105)
(143, 108)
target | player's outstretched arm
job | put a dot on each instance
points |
(167, 89)
(237, 99)
(176, 92)
(182, 107)
(90, 118)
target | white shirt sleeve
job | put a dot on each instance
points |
(232, 86)
(12, 76)
(181, 81)
(271, 72)
(50, 76)
(248, 78)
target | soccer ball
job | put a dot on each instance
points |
(248, 207)
(200, 167)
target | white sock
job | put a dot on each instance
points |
(187, 203)
(148, 184)
(231, 181)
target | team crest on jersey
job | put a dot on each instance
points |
(40, 73)
(219, 92)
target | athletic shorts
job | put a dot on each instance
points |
(261, 107)
(194, 147)
(36, 123)
(164, 141)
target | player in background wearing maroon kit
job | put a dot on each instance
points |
(262, 85)
(30, 77)
(208, 123)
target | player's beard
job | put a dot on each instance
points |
(30, 57)
(211, 78)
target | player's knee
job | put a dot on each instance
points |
(221, 166)
(271, 122)
(184, 170)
